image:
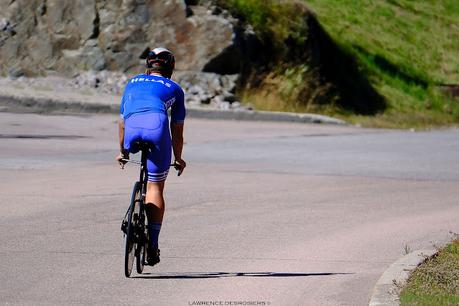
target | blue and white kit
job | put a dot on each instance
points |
(144, 108)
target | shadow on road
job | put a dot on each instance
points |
(30, 136)
(191, 275)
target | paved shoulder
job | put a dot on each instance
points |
(30, 99)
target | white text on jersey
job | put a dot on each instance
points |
(150, 80)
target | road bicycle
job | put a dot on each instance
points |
(134, 223)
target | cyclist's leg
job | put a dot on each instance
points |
(153, 128)
(155, 201)
(158, 163)
(155, 212)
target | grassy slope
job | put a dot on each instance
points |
(420, 37)
(436, 282)
(407, 48)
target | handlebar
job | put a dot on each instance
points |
(131, 161)
(139, 163)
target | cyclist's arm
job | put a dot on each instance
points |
(124, 153)
(121, 134)
(178, 114)
(177, 146)
(177, 139)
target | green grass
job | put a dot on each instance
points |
(435, 282)
(271, 19)
(418, 37)
(405, 48)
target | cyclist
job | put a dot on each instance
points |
(144, 117)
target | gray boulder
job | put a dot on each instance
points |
(70, 36)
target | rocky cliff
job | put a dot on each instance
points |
(69, 36)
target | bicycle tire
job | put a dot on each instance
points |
(130, 239)
(141, 249)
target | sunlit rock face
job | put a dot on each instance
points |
(39, 36)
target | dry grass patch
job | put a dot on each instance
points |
(435, 282)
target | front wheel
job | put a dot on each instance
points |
(131, 228)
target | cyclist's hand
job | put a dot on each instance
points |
(120, 157)
(179, 164)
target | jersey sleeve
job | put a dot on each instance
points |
(178, 111)
(124, 99)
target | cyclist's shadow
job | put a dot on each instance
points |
(200, 275)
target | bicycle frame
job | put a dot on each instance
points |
(143, 179)
(136, 231)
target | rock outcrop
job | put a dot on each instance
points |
(71, 36)
(201, 88)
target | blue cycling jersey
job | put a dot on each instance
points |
(153, 94)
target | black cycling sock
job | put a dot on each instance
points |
(153, 229)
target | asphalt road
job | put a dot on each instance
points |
(265, 214)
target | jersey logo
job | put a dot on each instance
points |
(169, 102)
(134, 80)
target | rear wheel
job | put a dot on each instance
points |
(131, 237)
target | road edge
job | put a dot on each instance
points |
(48, 105)
(387, 289)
